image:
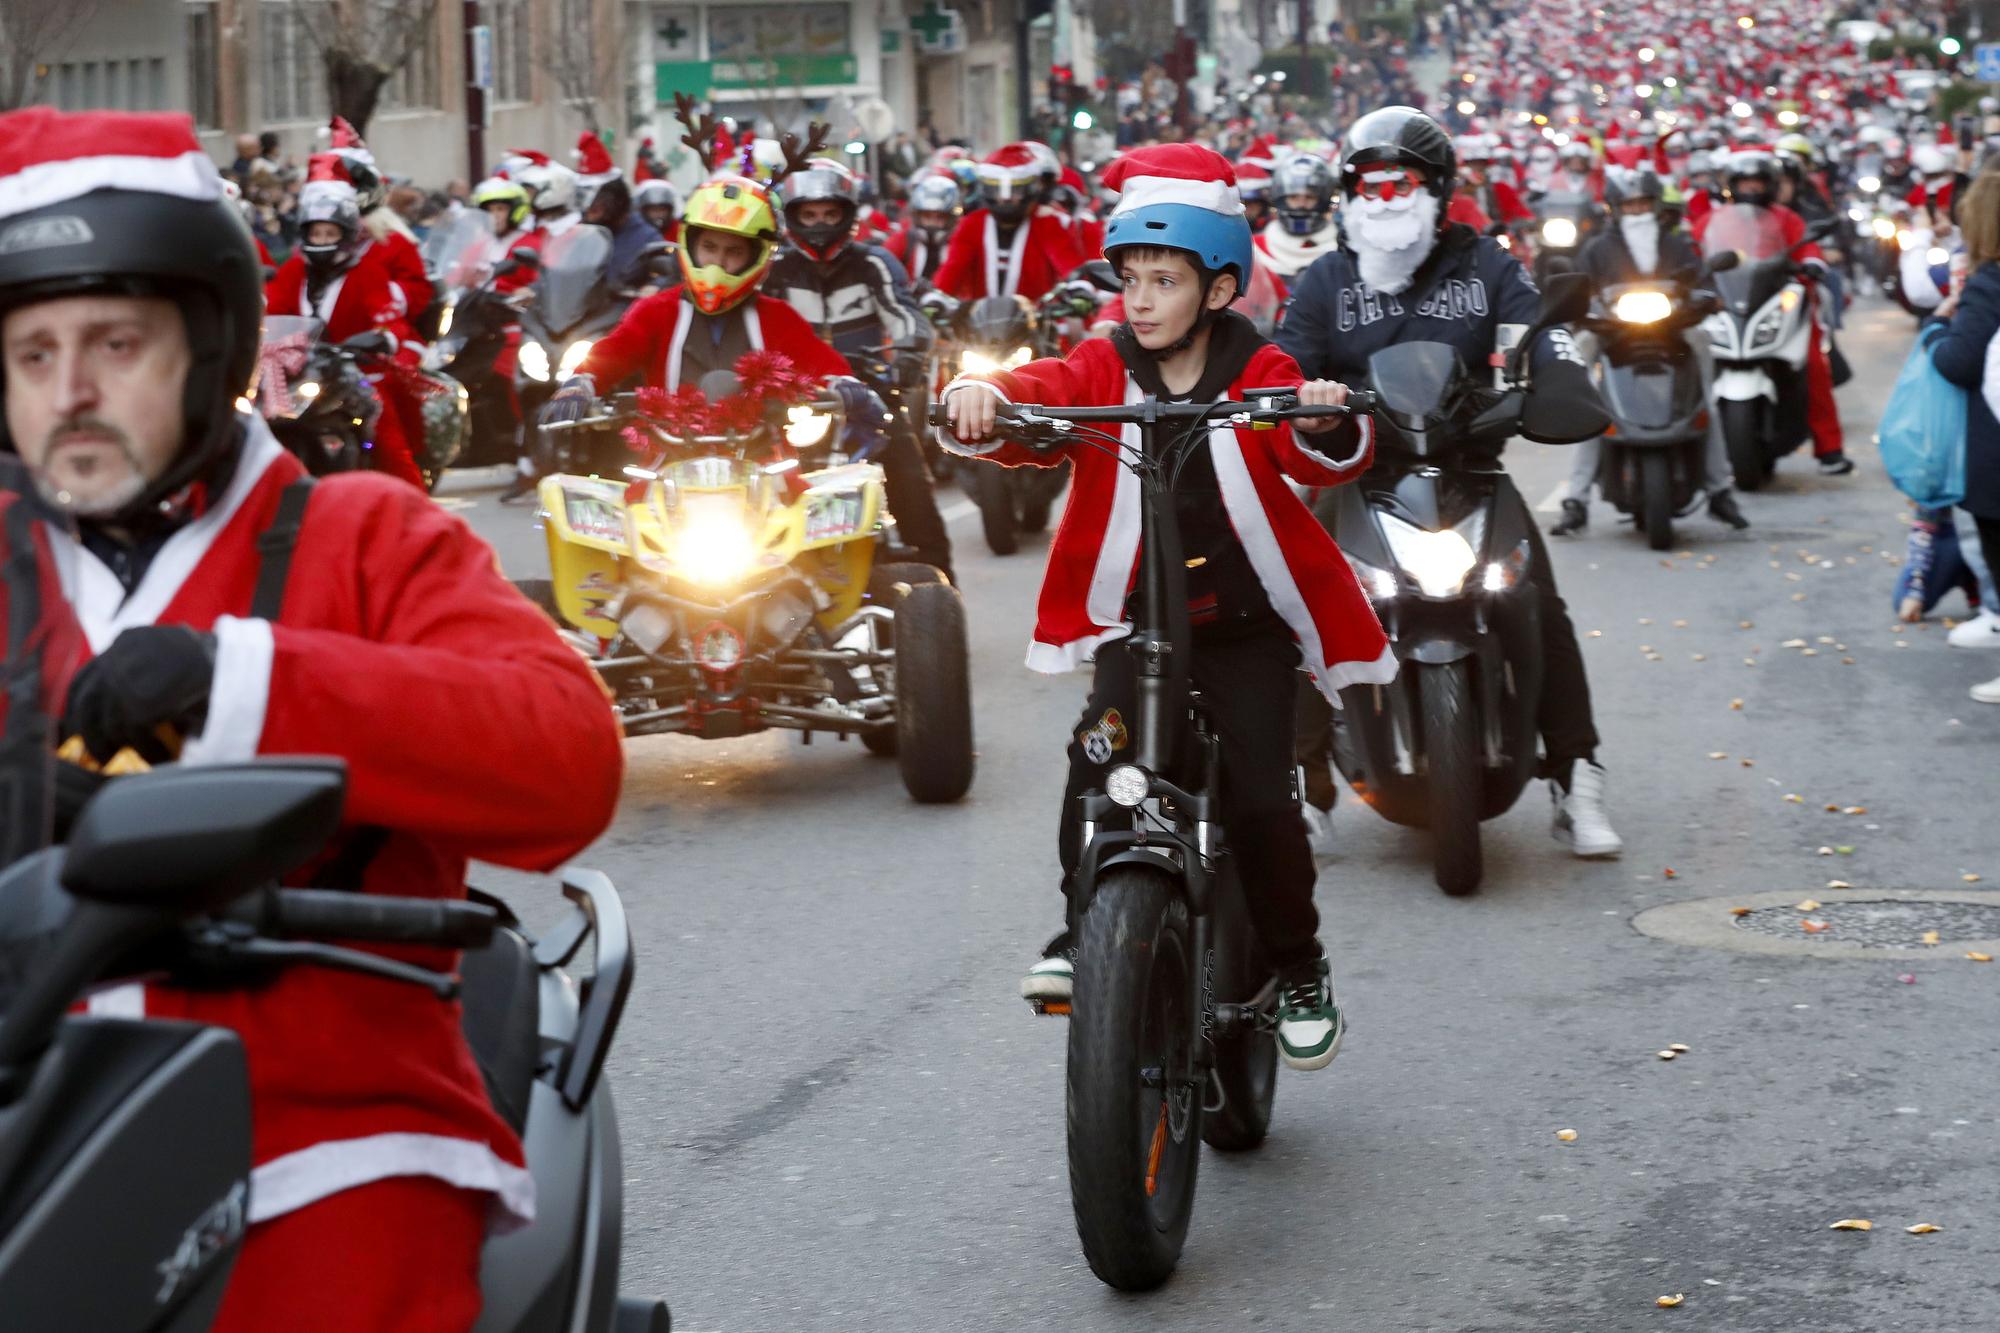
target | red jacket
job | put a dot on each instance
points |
(648, 341)
(910, 250)
(1044, 252)
(469, 730)
(1096, 552)
(407, 277)
(1791, 224)
(363, 298)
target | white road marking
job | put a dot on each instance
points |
(1553, 500)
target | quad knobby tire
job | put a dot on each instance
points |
(933, 694)
(1457, 777)
(1129, 1013)
(886, 586)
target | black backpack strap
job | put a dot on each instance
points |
(275, 545)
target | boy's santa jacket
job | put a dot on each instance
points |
(468, 730)
(650, 338)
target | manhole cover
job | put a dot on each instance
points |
(1848, 923)
(1880, 924)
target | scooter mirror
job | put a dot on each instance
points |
(1725, 261)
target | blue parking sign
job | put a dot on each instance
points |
(1987, 56)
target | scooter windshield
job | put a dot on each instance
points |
(1749, 231)
(573, 268)
(459, 255)
(43, 646)
(1413, 380)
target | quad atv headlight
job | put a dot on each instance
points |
(714, 549)
(1127, 785)
(647, 625)
(573, 357)
(1437, 561)
(805, 427)
(1559, 232)
(534, 360)
(1643, 307)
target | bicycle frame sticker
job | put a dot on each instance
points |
(1105, 738)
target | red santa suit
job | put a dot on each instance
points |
(649, 340)
(469, 729)
(404, 262)
(1095, 556)
(1042, 252)
(913, 252)
(364, 297)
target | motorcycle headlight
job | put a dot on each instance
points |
(1857, 214)
(1020, 357)
(534, 360)
(714, 549)
(975, 362)
(1437, 561)
(805, 427)
(306, 389)
(1885, 229)
(1378, 583)
(1765, 330)
(1559, 232)
(573, 357)
(444, 320)
(1642, 307)
(1869, 184)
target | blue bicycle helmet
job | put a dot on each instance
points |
(1181, 197)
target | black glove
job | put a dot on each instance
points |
(571, 402)
(74, 786)
(150, 676)
(1562, 406)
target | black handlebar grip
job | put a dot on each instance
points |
(338, 915)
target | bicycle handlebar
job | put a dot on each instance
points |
(1258, 405)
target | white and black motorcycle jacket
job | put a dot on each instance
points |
(859, 301)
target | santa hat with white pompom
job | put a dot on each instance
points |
(1174, 173)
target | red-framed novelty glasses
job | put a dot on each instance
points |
(1392, 183)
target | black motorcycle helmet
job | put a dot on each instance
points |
(196, 252)
(1400, 136)
(821, 181)
(1747, 166)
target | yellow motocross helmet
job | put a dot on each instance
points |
(737, 206)
(500, 190)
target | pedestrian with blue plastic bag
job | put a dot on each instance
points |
(1958, 338)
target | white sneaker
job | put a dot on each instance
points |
(1053, 977)
(1580, 820)
(1988, 691)
(1319, 829)
(1982, 631)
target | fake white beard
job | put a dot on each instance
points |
(1391, 238)
(1642, 238)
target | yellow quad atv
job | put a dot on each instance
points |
(725, 584)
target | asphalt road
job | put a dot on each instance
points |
(838, 1115)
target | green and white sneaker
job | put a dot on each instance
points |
(1052, 979)
(1309, 1023)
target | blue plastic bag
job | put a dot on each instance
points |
(1923, 434)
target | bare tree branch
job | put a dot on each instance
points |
(576, 60)
(363, 43)
(34, 33)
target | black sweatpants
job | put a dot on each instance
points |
(913, 499)
(1246, 679)
(1569, 730)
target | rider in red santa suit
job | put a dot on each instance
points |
(1496, 197)
(339, 277)
(468, 728)
(1011, 247)
(390, 234)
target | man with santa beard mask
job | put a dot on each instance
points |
(1404, 274)
(1637, 249)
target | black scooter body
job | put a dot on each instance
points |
(1652, 387)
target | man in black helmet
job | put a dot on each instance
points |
(228, 607)
(1403, 273)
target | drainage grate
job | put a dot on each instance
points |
(1880, 924)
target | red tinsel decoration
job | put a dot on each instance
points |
(765, 379)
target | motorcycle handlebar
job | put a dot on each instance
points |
(336, 915)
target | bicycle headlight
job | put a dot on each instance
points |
(1559, 232)
(573, 358)
(1437, 561)
(714, 549)
(1643, 307)
(534, 360)
(1127, 785)
(805, 427)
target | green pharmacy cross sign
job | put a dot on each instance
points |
(932, 23)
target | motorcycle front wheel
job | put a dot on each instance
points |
(1134, 1108)
(1656, 496)
(1457, 782)
(1740, 433)
(995, 498)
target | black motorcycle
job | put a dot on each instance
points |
(125, 1144)
(1442, 543)
(574, 304)
(320, 402)
(473, 320)
(1651, 462)
(1172, 1037)
(990, 334)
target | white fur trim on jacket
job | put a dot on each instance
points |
(1364, 436)
(189, 176)
(995, 286)
(1214, 196)
(946, 440)
(285, 1184)
(238, 694)
(1111, 578)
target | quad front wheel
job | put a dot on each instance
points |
(933, 694)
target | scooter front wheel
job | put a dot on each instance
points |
(1457, 782)
(1134, 1104)
(1656, 498)
(1745, 443)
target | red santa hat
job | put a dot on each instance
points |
(1016, 162)
(343, 135)
(516, 159)
(1174, 173)
(328, 167)
(1261, 152)
(49, 156)
(591, 157)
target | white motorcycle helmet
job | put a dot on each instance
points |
(551, 187)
